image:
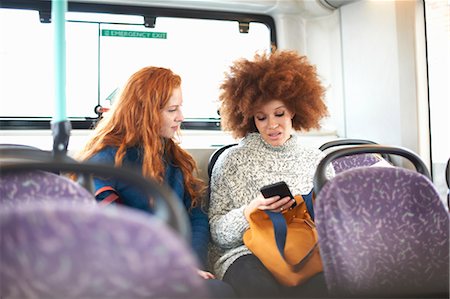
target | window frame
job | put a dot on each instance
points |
(44, 8)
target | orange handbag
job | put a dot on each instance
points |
(286, 243)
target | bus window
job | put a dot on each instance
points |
(437, 16)
(199, 50)
(105, 49)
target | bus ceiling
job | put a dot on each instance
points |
(305, 7)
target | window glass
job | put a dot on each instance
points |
(26, 53)
(101, 56)
(437, 15)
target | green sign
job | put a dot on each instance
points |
(138, 34)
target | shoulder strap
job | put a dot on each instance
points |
(280, 231)
(112, 197)
(309, 200)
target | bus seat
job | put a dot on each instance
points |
(41, 186)
(343, 142)
(165, 205)
(215, 155)
(383, 232)
(18, 153)
(347, 162)
(67, 251)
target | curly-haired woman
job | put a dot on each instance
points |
(264, 100)
(139, 132)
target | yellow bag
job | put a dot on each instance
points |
(286, 243)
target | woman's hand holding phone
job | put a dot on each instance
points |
(282, 190)
(273, 198)
(273, 204)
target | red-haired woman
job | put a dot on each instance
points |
(139, 132)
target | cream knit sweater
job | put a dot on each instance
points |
(238, 175)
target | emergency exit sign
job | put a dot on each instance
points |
(136, 34)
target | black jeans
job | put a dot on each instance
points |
(219, 289)
(250, 279)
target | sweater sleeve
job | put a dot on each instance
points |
(227, 220)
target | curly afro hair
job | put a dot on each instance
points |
(280, 75)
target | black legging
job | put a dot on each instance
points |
(250, 279)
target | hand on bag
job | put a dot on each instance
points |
(273, 204)
(205, 274)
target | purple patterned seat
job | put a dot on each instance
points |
(356, 160)
(32, 186)
(63, 251)
(360, 160)
(383, 232)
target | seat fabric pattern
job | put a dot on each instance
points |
(353, 161)
(383, 232)
(40, 186)
(63, 251)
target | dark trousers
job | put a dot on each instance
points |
(250, 279)
(219, 289)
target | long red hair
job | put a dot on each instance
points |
(134, 120)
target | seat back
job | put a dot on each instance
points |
(34, 185)
(382, 232)
(360, 160)
(17, 153)
(344, 141)
(166, 206)
(215, 155)
(348, 162)
(66, 251)
(41, 186)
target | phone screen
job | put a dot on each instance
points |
(280, 188)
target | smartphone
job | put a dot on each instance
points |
(280, 188)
